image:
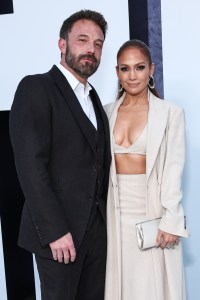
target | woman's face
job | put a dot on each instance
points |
(133, 71)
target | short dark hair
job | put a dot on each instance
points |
(84, 14)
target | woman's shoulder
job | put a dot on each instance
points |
(109, 107)
(167, 104)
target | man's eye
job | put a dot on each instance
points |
(99, 45)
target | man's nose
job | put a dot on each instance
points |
(90, 47)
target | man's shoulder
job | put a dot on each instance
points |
(36, 80)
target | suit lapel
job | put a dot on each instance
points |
(74, 105)
(157, 120)
(112, 116)
(97, 102)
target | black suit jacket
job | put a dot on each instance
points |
(56, 160)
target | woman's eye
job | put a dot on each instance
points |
(124, 69)
(140, 68)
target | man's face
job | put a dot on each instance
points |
(83, 48)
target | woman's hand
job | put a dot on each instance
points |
(166, 240)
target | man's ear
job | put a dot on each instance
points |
(62, 46)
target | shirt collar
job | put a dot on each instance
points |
(83, 90)
(73, 81)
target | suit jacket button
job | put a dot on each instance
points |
(94, 168)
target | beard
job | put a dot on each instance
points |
(82, 68)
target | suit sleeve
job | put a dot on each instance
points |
(173, 220)
(30, 131)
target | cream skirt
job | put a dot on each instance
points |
(138, 268)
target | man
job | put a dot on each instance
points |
(60, 138)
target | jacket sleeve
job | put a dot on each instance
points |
(173, 220)
(30, 131)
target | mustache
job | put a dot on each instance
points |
(88, 56)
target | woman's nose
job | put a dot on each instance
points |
(132, 74)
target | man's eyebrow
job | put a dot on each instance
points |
(82, 35)
(86, 36)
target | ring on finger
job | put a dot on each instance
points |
(170, 246)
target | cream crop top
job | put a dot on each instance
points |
(138, 147)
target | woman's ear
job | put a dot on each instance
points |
(151, 70)
(117, 70)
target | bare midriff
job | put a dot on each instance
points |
(130, 163)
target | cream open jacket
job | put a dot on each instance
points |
(165, 156)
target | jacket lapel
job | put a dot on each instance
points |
(157, 120)
(112, 116)
(96, 100)
(74, 105)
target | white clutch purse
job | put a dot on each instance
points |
(146, 233)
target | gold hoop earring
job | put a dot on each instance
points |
(152, 86)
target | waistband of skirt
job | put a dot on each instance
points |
(138, 178)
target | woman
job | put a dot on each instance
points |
(147, 136)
